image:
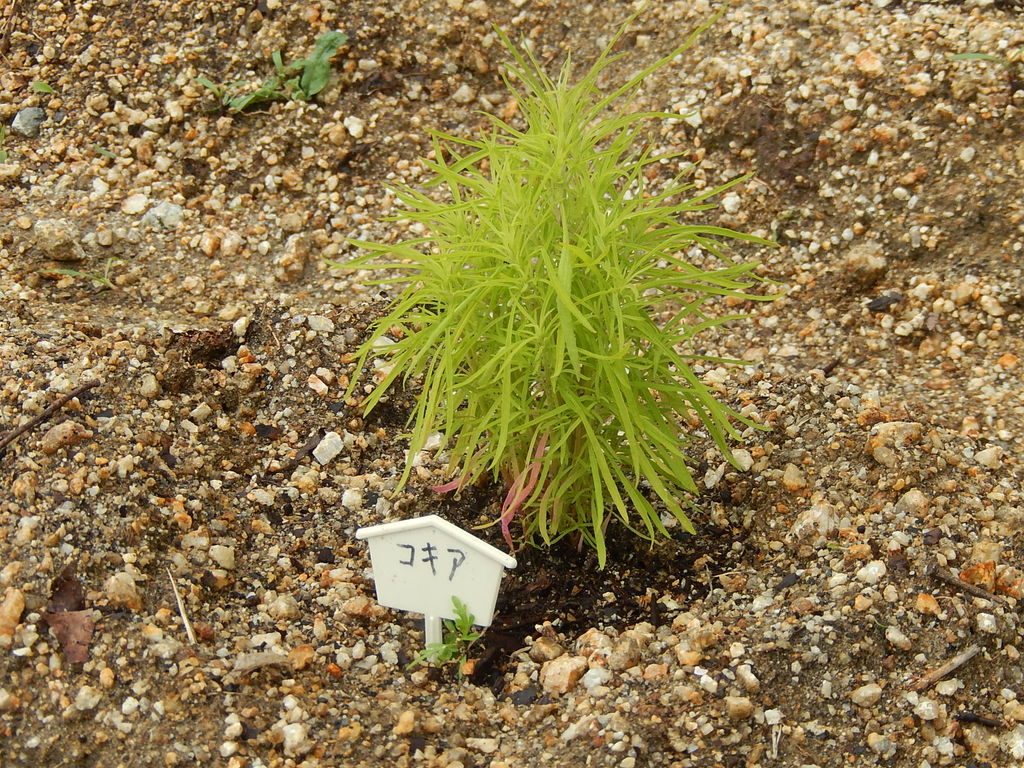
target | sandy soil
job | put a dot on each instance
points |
(874, 534)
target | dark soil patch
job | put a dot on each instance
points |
(563, 586)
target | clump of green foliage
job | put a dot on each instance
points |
(3, 140)
(458, 637)
(530, 310)
(302, 79)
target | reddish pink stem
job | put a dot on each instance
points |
(451, 485)
(519, 493)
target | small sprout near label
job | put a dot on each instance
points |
(431, 566)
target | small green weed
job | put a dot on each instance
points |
(103, 280)
(1010, 60)
(302, 79)
(41, 87)
(530, 310)
(459, 637)
(3, 140)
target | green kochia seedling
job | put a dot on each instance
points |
(459, 637)
(529, 311)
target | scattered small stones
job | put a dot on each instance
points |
(595, 677)
(897, 638)
(793, 479)
(913, 503)
(284, 607)
(291, 264)
(926, 709)
(885, 375)
(869, 63)
(486, 746)
(881, 745)
(927, 604)
(545, 649)
(872, 573)
(149, 386)
(224, 556)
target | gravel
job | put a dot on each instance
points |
(219, 464)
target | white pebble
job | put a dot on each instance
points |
(866, 695)
(595, 677)
(134, 204)
(731, 203)
(743, 459)
(987, 623)
(991, 306)
(223, 556)
(464, 95)
(296, 740)
(871, 573)
(328, 448)
(87, 698)
(709, 684)
(989, 457)
(355, 126)
(897, 638)
(320, 323)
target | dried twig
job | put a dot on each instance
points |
(304, 450)
(937, 572)
(928, 679)
(14, 434)
(974, 717)
(181, 609)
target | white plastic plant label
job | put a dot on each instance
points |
(421, 564)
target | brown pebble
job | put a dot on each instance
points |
(406, 723)
(62, 435)
(927, 604)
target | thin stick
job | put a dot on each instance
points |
(973, 717)
(181, 610)
(14, 434)
(304, 450)
(929, 679)
(943, 575)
